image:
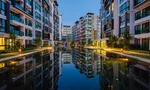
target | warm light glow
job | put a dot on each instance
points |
(2, 43)
(107, 49)
(2, 65)
(13, 62)
(20, 51)
(49, 47)
(124, 59)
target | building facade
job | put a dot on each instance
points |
(27, 20)
(83, 29)
(120, 16)
(67, 33)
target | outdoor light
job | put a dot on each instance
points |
(121, 50)
(20, 51)
(12, 62)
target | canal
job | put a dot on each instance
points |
(74, 70)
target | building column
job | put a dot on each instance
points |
(141, 42)
(149, 43)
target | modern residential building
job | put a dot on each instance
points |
(56, 23)
(28, 19)
(67, 33)
(83, 29)
(97, 30)
(120, 16)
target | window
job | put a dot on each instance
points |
(137, 29)
(136, 2)
(145, 43)
(37, 25)
(121, 1)
(143, 13)
(125, 7)
(2, 25)
(37, 7)
(138, 15)
(146, 12)
(122, 30)
(37, 16)
(145, 27)
(2, 7)
(137, 41)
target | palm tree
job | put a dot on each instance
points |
(113, 40)
(125, 40)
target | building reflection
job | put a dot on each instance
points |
(39, 71)
(124, 74)
(115, 72)
(66, 57)
(85, 61)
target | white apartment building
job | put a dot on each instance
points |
(27, 20)
(118, 16)
(67, 32)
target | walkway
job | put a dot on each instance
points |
(8, 56)
(136, 55)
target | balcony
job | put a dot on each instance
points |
(107, 3)
(138, 2)
(28, 22)
(28, 4)
(17, 32)
(15, 20)
(19, 6)
(29, 12)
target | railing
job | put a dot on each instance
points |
(19, 6)
(29, 2)
(29, 12)
(16, 18)
(29, 23)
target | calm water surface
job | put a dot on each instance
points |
(74, 70)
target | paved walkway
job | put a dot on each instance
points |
(16, 54)
(125, 53)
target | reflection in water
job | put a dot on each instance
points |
(115, 72)
(34, 72)
(79, 70)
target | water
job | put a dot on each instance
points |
(74, 70)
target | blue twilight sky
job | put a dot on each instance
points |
(72, 10)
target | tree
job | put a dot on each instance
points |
(125, 40)
(13, 38)
(18, 44)
(37, 42)
(113, 40)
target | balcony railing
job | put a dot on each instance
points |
(16, 18)
(19, 6)
(29, 12)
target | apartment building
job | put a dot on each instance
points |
(120, 16)
(97, 31)
(27, 19)
(67, 33)
(83, 29)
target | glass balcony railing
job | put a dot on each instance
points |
(16, 18)
(29, 2)
(29, 12)
(17, 32)
(29, 23)
(19, 6)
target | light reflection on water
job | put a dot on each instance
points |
(74, 70)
